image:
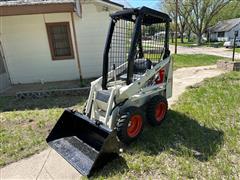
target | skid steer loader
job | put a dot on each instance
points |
(135, 84)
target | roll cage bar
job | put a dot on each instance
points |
(141, 16)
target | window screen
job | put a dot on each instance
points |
(60, 42)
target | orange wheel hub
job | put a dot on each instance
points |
(160, 111)
(135, 125)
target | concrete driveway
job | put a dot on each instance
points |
(224, 52)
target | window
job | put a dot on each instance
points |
(221, 34)
(60, 41)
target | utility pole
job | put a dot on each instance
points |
(234, 45)
(209, 37)
(176, 28)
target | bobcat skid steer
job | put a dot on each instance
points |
(135, 84)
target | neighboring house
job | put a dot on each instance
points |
(224, 30)
(52, 40)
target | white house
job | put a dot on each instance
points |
(224, 30)
(52, 40)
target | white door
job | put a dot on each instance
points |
(4, 77)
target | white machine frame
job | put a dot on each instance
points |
(135, 94)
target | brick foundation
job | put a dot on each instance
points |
(57, 92)
(229, 65)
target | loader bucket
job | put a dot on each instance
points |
(84, 144)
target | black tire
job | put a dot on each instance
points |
(154, 117)
(126, 132)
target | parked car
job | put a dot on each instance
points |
(147, 38)
(159, 35)
(229, 44)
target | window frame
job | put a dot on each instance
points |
(69, 35)
(221, 34)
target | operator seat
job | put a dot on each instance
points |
(141, 65)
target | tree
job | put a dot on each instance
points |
(230, 11)
(170, 8)
(202, 14)
(184, 11)
(196, 15)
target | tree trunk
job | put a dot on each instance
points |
(182, 41)
(172, 35)
(199, 39)
(189, 35)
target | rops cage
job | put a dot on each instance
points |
(135, 43)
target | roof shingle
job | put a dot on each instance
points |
(32, 2)
(35, 2)
(226, 25)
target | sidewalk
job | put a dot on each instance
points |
(49, 165)
(223, 52)
(45, 165)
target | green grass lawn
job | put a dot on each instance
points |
(190, 60)
(194, 43)
(185, 44)
(237, 50)
(199, 138)
(213, 44)
(24, 124)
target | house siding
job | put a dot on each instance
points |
(213, 36)
(230, 34)
(91, 32)
(27, 51)
(227, 36)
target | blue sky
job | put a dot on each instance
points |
(138, 3)
(150, 3)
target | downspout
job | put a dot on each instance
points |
(2, 51)
(76, 48)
